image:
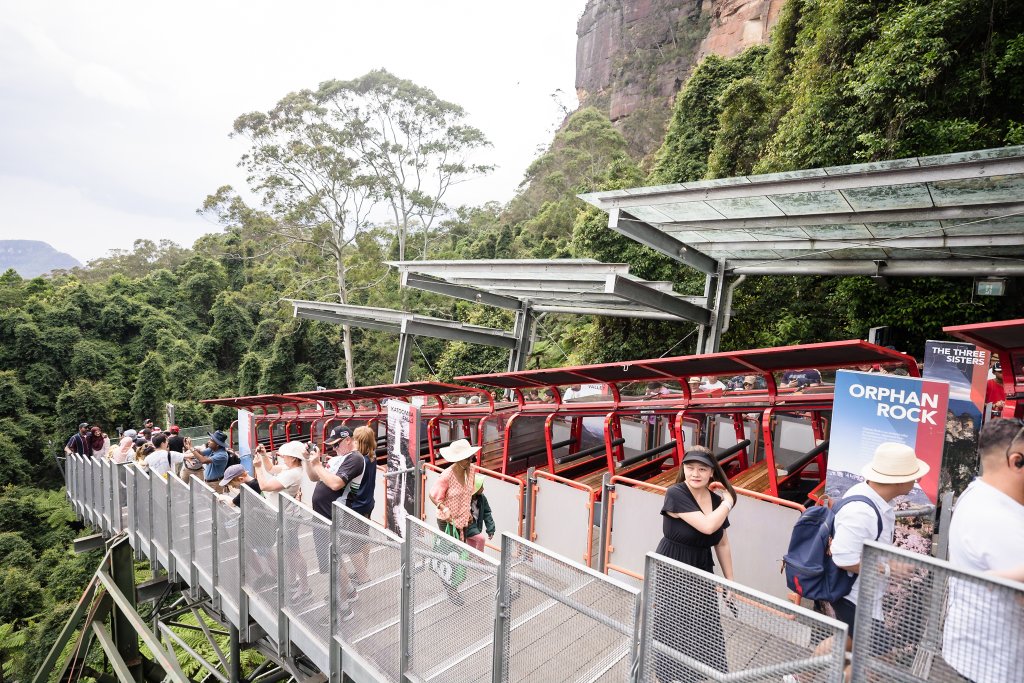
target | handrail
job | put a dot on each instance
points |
(650, 452)
(587, 451)
(805, 458)
(541, 450)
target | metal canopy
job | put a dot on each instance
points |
(827, 355)
(406, 390)
(249, 402)
(400, 322)
(956, 214)
(579, 286)
(1004, 335)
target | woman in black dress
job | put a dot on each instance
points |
(695, 520)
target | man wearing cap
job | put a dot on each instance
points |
(214, 457)
(79, 441)
(892, 473)
(983, 637)
(175, 441)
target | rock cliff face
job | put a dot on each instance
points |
(633, 56)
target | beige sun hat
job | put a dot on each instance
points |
(292, 449)
(459, 450)
(894, 463)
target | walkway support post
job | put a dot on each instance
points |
(523, 331)
(122, 569)
(405, 342)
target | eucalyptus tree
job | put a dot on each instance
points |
(304, 162)
(416, 145)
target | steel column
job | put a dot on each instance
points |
(714, 335)
(404, 355)
(523, 331)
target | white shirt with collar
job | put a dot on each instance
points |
(986, 534)
(855, 524)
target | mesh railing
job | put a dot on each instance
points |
(563, 621)
(158, 486)
(202, 533)
(370, 623)
(452, 589)
(181, 528)
(143, 520)
(307, 579)
(131, 510)
(110, 486)
(699, 626)
(226, 584)
(259, 552)
(937, 623)
(96, 493)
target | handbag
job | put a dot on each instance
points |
(453, 570)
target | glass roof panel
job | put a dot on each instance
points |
(688, 211)
(746, 207)
(805, 203)
(885, 197)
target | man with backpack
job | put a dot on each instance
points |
(892, 473)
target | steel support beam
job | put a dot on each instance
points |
(122, 569)
(654, 238)
(523, 331)
(937, 213)
(444, 329)
(713, 338)
(937, 242)
(651, 298)
(465, 292)
(404, 356)
(516, 269)
(605, 312)
(335, 319)
(894, 268)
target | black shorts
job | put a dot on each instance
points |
(882, 641)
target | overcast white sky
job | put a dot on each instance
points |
(114, 116)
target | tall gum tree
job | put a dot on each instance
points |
(304, 163)
(416, 145)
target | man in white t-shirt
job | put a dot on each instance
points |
(162, 461)
(892, 473)
(983, 635)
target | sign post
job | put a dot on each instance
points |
(403, 449)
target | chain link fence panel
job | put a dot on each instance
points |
(451, 626)
(158, 486)
(229, 521)
(181, 528)
(259, 552)
(939, 624)
(132, 509)
(563, 621)
(202, 533)
(367, 607)
(698, 626)
(143, 520)
(307, 581)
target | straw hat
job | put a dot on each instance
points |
(894, 463)
(459, 450)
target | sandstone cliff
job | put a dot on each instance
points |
(632, 56)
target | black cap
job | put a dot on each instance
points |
(698, 456)
(337, 434)
(83, 425)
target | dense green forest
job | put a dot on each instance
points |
(841, 81)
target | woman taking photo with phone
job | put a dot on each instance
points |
(695, 517)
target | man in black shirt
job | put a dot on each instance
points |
(175, 441)
(79, 441)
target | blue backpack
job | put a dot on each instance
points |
(810, 571)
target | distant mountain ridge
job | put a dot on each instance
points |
(32, 257)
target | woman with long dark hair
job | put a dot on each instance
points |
(695, 519)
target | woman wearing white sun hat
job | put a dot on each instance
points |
(454, 488)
